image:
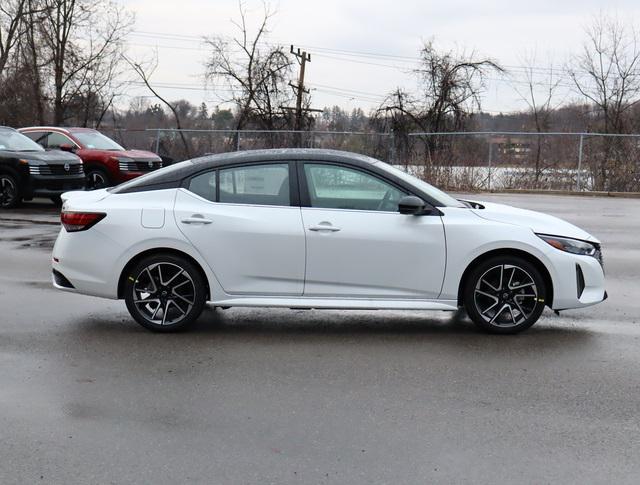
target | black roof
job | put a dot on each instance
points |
(174, 175)
(171, 176)
(282, 154)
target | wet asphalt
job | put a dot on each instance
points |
(257, 396)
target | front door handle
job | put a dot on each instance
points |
(196, 219)
(324, 227)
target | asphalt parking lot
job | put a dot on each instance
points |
(283, 396)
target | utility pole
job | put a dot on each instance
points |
(302, 57)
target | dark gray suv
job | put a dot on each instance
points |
(27, 170)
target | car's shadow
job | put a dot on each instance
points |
(286, 327)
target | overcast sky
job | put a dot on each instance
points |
(350, 39)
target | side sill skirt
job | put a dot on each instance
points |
(342, 304)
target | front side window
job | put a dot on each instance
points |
(255, 184)
(55, 140)
(337, 187)
(204, 185)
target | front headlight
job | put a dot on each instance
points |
(573, 246)
(125, 164)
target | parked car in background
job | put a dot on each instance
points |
(27, 170)
(305, 228)
(106, 163)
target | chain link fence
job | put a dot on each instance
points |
(454, 161)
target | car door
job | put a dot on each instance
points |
(245, 221)
(359, 245)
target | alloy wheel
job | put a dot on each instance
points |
(505, 295)
(96, 180)
(164, 293)
(8, 191)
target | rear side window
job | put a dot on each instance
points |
(40, 137)
(256, 184)
(204, 185)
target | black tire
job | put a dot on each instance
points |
(155, 280)
(504, 304)
(97, 178)
(10, 193)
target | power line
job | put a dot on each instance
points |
(335, 51)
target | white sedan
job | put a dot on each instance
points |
(301, 228)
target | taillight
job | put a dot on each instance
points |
(80, 221)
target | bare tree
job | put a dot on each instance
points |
(145, 72)
(84, 39)
(451, 84)
(540, 95)
(12, 13)
(255, 73)
(31, 55)
(607, 74)
(398, 115)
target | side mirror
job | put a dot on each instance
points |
(410, 204)
(67, 147)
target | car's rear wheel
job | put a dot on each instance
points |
(504, 295)
(9, 191)
(165, 292)
(97, 179)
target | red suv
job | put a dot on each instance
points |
(105, 162)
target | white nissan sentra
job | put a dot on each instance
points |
(301, 228)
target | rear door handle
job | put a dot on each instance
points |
(196, 220)
(324, 227)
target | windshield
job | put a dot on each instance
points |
(442, 197)
(94, 140)
(17, 142)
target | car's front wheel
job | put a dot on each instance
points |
(505, 294)
(165, 292)
(9, 191)
(97, 179)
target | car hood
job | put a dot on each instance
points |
(537, 221)
(134, 154)
(51, 157)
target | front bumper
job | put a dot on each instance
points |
(47, 186)
(578, 281)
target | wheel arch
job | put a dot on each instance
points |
(540, 266)
(149, 252)
(95, 165)
(10, 170)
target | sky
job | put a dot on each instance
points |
(362, 50)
